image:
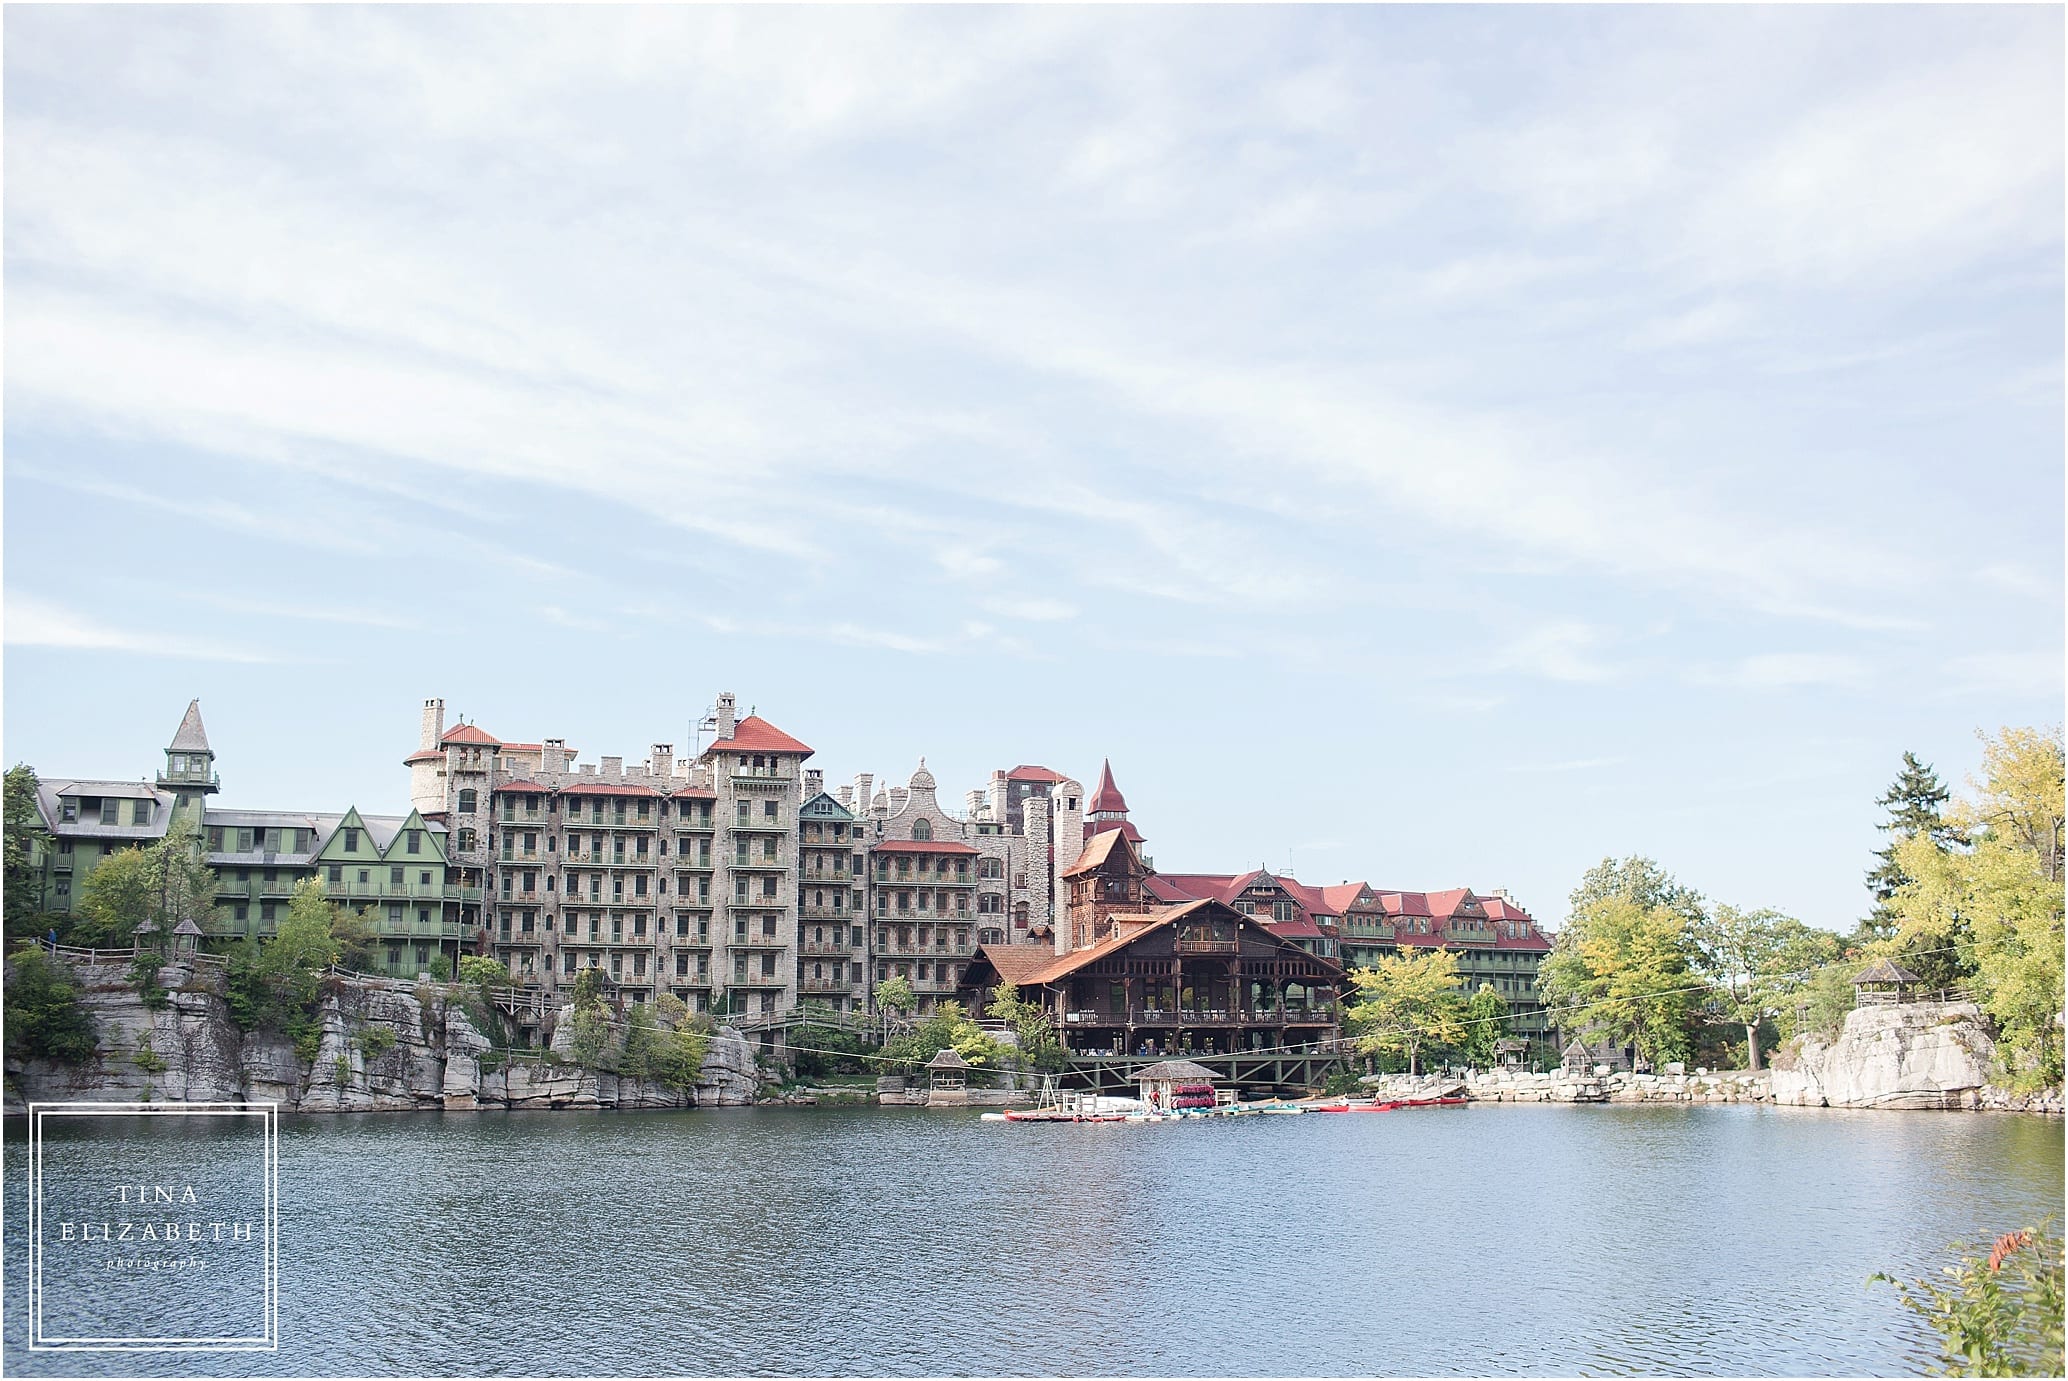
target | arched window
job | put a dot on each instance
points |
(990, 936)
(922, 830)
(467, 801)
(466, 844)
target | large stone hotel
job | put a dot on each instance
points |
(731, 877)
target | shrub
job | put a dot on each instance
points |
(148, 1059)
(45, 1018)
(377, 1041)
(2001, 1314)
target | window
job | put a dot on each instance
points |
(111, 811)
(395, 876)
(768, 924)
(142, 814)
(394, 913)
(244, 841)
(352, 843)
(365, 877)
(768, 962)
(423, 879)
(467, 801)
(266, 911)
(768, 810)
(466, 840)
(415, 841)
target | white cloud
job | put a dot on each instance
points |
(1032, 610)
(1559, 652)
(36, 622)
(1780, 670)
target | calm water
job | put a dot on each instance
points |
(1480, 1240)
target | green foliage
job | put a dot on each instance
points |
(1756, 963)
(148, 1059)
(1486, 1022)
(165, 884)
(356, 933)
(895, 994)
(1997, 900)
(441, 967)
(44, 1017)
(277, 984)
(1915, 802)
(1818, 1007)
(1407, 1002)
(1623, 969)
(822, 1048)
(2001, 1313)
(588, 986)
(677, 1060)
(642, 1036)
(949, 1027)
(485, 973)
(592, 1046)
(377, 1041)
(1340, 1082)
(1639, 880)
(143, 971)
(23, 835)
(1040, 1047)
(341, 1070)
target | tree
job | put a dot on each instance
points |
(45, 1019)
(895, 994)
(948, 1027)
(115, 900)
(2002, 1315)
(1640, 880)
(1035, 1031)
(1485, 1021)
(1755, 962)
(1406, 1002)
(1624, 969)
(164, 884)
(677, 1060)
(1915, 802)
(356, 933)
(23, 835)
(1997, 900)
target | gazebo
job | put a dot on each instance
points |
(145, 935)
(186, 936)
(1882, 982)
(1574, 1058)
(1172, 1085)
(947, 1076)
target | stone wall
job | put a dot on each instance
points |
(190, 1051)
(1513, 1086)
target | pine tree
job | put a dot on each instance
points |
(1914, 803)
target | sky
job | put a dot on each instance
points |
(1431, 445)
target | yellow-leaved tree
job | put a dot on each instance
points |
(1407, 1003)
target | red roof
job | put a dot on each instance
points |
(428, 755)
(470, 733)
(1343, 896)
(1301, 929)
(608, 789)
(756, 735)
(1027, 773)
(1108, 796)
(1200, 886)
(1159, 887)
(1125, 827)
(1309, 897)
(920, 846)
(695, 793)
(522, 747)
(526, 787)
(1446, 903)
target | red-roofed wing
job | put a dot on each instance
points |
(756, 735)
(471, 733)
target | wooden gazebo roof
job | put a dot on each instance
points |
(948, 1059)
(1175, 1070)
(186, 927)
(1885, 971)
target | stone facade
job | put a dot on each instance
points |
(673, 875)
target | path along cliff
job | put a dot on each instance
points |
(385, 1045)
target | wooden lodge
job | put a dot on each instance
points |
(1197, 979)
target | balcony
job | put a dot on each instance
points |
(1201, 1016)
(826, 947)
(700, 824)
(521, 817)
(453, 893)
(845, 987)
(419, 930)
(826, 913)
(509, 855)
(1209, 946)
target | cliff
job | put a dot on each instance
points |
(1900, 1055)
(386, 1045)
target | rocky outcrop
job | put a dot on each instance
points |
(1516, 1086)
(1898, 1055)
(382, 1045)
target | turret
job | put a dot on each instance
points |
(190, 765)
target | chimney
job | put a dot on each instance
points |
(814, 782)
(864, 797)
(1001, 796)
(589, 768)
(662, 763)
(434, 725)
(846, 796)
(613, 767)
(554, 756)
(975, 802)
(725, 712)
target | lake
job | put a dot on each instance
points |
(1482, 1240)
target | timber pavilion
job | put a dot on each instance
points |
(1197, 979)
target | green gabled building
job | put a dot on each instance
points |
(393, 864)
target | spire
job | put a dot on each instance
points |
(191, 738)
(1107, 799)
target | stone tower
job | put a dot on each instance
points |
(426, 765)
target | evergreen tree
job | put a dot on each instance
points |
(1915, 803)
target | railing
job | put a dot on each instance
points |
(454, 893)
(1209, 946)
(826, 913)
(825, 947)
(1201, 1016)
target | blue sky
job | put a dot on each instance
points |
(1442, 446)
